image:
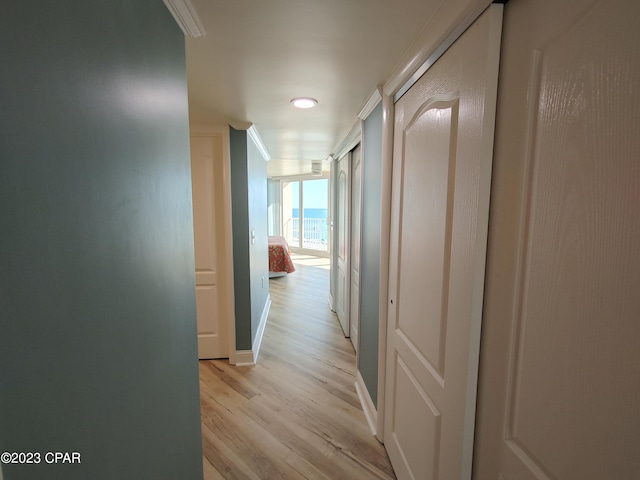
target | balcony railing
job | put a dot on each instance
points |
(314, 230)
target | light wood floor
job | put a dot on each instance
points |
(295, 414)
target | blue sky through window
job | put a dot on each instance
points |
(315, 193)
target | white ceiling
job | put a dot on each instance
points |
(259, 54)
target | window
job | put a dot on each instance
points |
(305, 213)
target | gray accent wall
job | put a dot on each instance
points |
(240, 231)
(98, 350)
(370, 253)
(249, 214)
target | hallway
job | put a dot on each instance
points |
(296, 413)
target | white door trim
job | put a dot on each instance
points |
(388, 118)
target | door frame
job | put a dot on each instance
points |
(305, 178)
(447, 25)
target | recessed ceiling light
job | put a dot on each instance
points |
(304, 102)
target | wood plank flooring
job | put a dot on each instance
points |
(296, 414)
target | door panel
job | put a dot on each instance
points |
(441, 179)
(342, 210)
(354, 293)
(421, 445)
(428, 190)
(206, 158)
(560, 360)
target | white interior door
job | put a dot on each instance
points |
(354, 293)
(560, 367)
(206, 165)
(442, 158)
(342, 224)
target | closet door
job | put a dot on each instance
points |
(206, 168)
(343, 226)
(560, 369)
(443, 148)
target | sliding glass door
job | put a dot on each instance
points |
(305, 214)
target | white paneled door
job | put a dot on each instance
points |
(342, 225)
(206, 168)
(560, 368)
(442, 159)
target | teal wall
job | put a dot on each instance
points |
(98, 349)
(249, 213)
(370, 253)
(240, 232)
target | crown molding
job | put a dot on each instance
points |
(255, 136)
(372, 102)
(186, 17)
(241, 125)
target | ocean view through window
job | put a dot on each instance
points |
(307, 228)
(315, 227)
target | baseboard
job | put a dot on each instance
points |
(331, 303)
(245, 358)
(263, 323)
(368, 407)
